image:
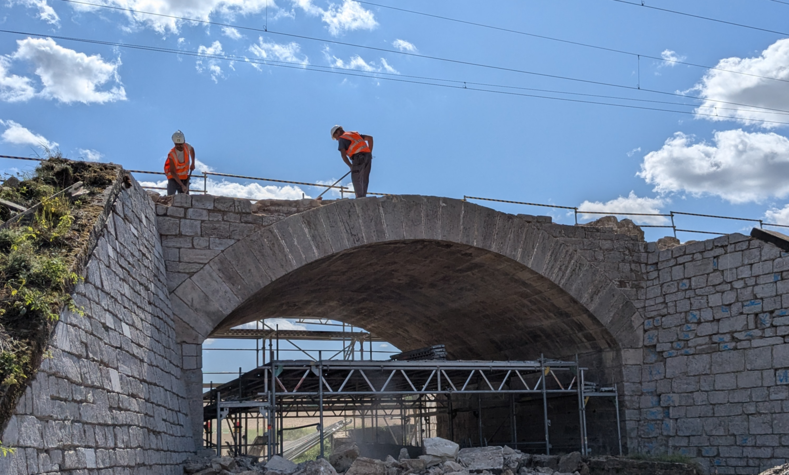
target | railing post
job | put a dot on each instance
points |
(575, 212)
(673, 226)
(205, 182)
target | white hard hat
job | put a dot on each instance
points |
(178, 137)
(334, 129)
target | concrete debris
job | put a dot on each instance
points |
(626, 226)
(779, 470)
(280, 465)
(367, 466)
(403, 454)
(344, 456)
(439, 447)
(316, 467)
(469, 461)
(207, 464)
(570, 462)
(482, 458)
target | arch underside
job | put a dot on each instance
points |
(417, 293)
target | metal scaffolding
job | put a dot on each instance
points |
(412, 391)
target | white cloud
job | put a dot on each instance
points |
(634, 151)
(90, 154)
(356, 62)
(627, 204)
(670, 58)
(18, 135)
(738, 166)
(14, 88)
(199, 10)
(66, 75)
(275, 323)
(231, 33)
(349, 16)
(756, 91)
(252, 191)
(213, 64)
(283, 52)
(404, 45)
(45, 12)
(778, 216)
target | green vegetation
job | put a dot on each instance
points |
(38, 265)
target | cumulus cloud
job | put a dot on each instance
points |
(66, 75)
(627, 204)
(14, 88)
(18, 135)
(670, 58)
(251, 191)
(737, 166)
(212, 64)
(90, 154)
(356, 62)
(404, 45)
(198, 10)
(755, 91)
(778, 216)
(347, 17)
(45, 12)
(282, 52)
(634, 151)
(231, 33)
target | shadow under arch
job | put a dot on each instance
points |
(417, 270)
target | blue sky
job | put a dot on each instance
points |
(119, 104)
(261, 103)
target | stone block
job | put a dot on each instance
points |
(197, 213)
(182, 200)
(190, 227)
(168, 226)
(200, 256)
(201, 201)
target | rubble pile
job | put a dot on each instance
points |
(441, 457)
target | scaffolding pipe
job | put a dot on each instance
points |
(546, 422)
(320, 397)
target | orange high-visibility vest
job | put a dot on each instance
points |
(358, 145)
(181, 169)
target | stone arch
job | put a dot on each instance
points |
(258, 274)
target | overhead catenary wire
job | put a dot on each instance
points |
(702, 17)
(436, 58)
(570, 42)
(347, 72)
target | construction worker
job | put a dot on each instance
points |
(356, 151)
(178, 167)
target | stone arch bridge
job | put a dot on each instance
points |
(694, 336)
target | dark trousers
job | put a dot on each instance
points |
(173, 188)
(360, 173)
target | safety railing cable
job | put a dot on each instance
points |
(344, 189)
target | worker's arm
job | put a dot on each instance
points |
(369, 140)
(194, 159)
(345, 158)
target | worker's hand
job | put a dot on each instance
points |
(192, 168)
(183, 188)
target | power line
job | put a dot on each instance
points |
(576, 43)
(552, 76)
(701, 17)
(347, 72)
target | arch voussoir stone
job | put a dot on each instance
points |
(371, 220)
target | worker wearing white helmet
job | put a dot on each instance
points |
(356, 151)
(178, 167)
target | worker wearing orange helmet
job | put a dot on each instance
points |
(356, 151)
(178, 167)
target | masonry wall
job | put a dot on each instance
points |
(712, 380)
(110, 398)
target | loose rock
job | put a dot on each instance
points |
(439, 447)
(481, 458)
